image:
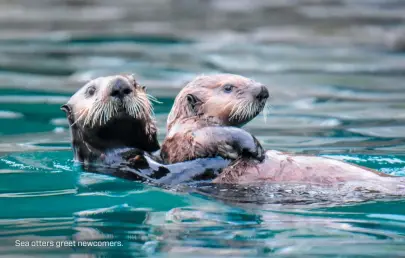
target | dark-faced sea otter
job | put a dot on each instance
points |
(110, 113)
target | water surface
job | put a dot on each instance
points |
(335, 72)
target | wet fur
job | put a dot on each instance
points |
(202, 96)
(203, 103)
(99, 123)
(181, 146)
(288, 168)
(276, 167)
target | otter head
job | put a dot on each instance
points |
(109, 113)
(232, 99)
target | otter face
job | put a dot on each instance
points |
(233, 99)
(112, 112)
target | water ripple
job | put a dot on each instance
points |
(335, 73)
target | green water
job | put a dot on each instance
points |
(337, 89)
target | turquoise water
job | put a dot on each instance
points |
(337, 89)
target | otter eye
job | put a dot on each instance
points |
(90, 91)
(228, 88)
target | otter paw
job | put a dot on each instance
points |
(250, 148)
(138, 161)
(234, 152)
(228, 152)
(257, 153)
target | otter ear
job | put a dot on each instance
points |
(67, 109)
(194, 102)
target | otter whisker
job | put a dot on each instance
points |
(82, 113)
(136, 109)
(109, 112)
(101, 112)
(98, 113)
(248, 111)
(153, 99)
(93, 113)
(101, 115)
(144, 106)
(148, 107)
(245, 111)
(131, 108)
(240, 110)
(266, 111)
(90, 114)
(234, 112)
(105, 115)
(254, 108)
(101, 108)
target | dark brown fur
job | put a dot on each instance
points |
(91, 140)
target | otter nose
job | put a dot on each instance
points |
(120, 89)
(263, 94)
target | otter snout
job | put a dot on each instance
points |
(120, 89)
(263, 94)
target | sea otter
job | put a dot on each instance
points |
(113, 131)
(212, 101)
(109, 113)
(227, 99)
(231, 99)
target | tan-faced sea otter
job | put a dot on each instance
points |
(212, 101)
(231, 99)
(227, 99)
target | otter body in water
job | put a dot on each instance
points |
(284, 167)
(113, 132)
(234, 100)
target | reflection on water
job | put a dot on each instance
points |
(335, 71)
